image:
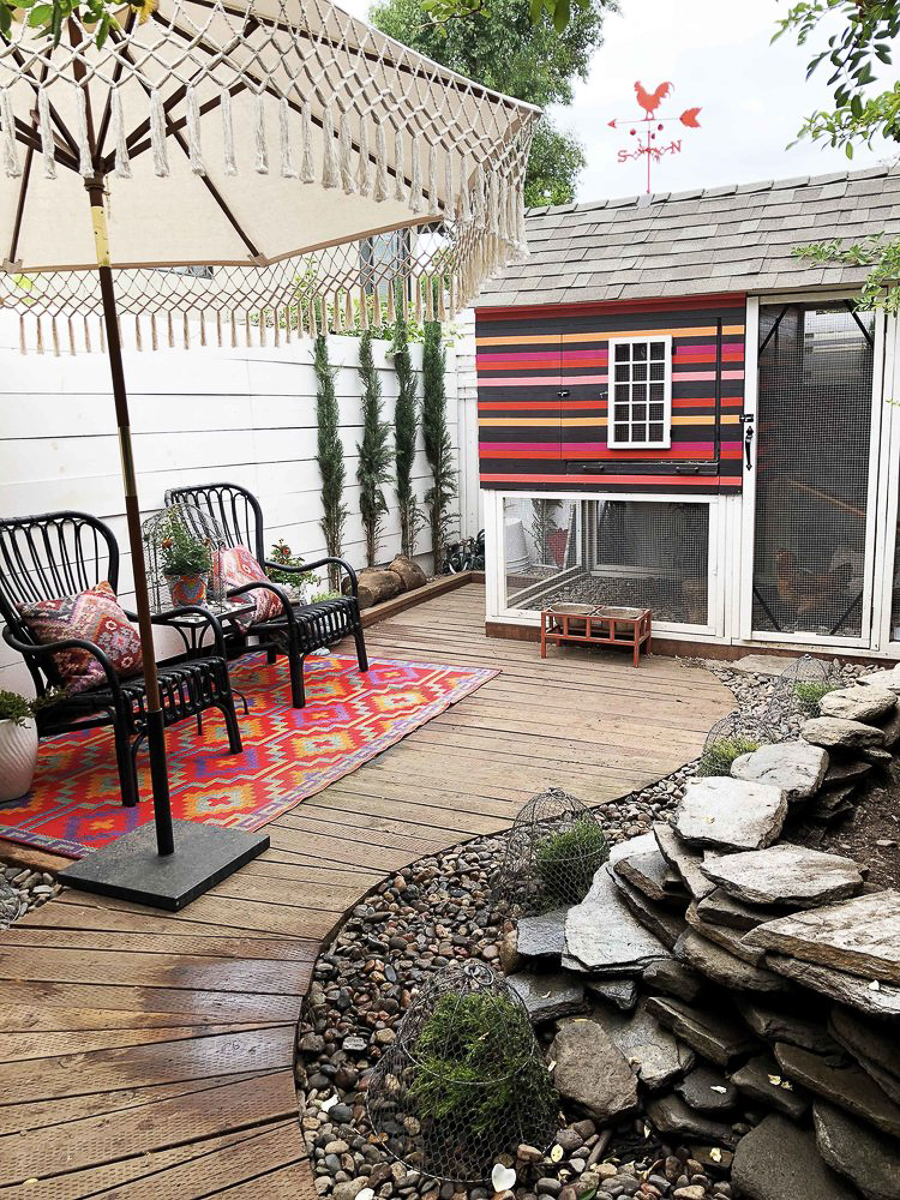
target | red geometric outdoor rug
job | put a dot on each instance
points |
(74, 804)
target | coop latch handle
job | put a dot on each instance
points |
(747, 419)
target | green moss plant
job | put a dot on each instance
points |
(567, 862)
(718, 756)
(809, 695)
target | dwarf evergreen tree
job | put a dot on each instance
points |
(374, 451)
(438, 446)
(405, 428)
(330, 457)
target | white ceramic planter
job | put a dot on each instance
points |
(18, 758)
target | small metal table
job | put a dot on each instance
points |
(192, 625)
(604, 626)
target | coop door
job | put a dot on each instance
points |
(811, 474)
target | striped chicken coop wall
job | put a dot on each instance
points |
(543, 397)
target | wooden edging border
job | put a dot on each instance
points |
(437, 587)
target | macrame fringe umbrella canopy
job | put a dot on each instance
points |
(238, 167)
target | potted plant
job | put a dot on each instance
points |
(294, 582)
(18, 745)
(186, 562)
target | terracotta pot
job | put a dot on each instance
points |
(187, 589)
(18, 758)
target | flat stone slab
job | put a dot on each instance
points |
(712, 1035)
(834, 733)
(642, 844)
(730, 939)
(796, 767)
(685, 859)
(731, 814)
(839, 774)
(717, 964)
(848, 1086)
(860, 703)
(651, 874)
(888, 680)
(777, 1160)
(674, 979)
(591, 1071)
(718, 908)
(773, 665)
(663, 922)
(620, 993)
(761, 1079)
(543, 936)
(779, 1025)
(792, 876)
(670, 1115)
(864, 995)
(707, 1090)
(650, 1049)
(876, 1047)
(548, 997)
(604, 935)
(861, 936)
(849, 1147)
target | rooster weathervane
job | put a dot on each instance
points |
(647, 140)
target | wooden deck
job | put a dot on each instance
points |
(151, 1056)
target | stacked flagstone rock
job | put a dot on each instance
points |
(742, 992)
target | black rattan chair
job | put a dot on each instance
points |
(300, 629)
(60, 554)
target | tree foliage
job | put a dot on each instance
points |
(501, 46)
(855, 55)
(374, 451)
(438, 444)
(405, 429)
(330, 457)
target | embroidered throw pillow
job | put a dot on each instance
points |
(96, 616)
(237, 567)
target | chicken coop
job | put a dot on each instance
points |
(677, 412)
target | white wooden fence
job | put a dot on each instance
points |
(241, 416)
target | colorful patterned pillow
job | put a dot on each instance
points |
(95, 616)
(237, 567)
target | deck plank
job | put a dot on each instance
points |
(149, 1056)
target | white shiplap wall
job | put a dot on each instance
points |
(242, 416)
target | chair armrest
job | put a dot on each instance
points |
(48, 649)
(268, 586)
(322, 562)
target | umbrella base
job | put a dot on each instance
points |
(130, 868)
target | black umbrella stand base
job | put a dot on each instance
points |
(130, 868)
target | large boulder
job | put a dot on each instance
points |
(779, 1161)
(836, 733)
(883, 680)
(845, 1084)
(869, 1161)
(591, 1071)
(796, 767)
(375, 586)
(788, 875)
(859, 703)
(730, 814)
(409, 573)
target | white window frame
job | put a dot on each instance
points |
(612, 442)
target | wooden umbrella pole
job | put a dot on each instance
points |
(156, 744)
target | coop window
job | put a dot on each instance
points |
(640, 393)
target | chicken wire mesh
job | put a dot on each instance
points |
(465, 1081)
(553, 851)
(803, 684)
(814, 426)
(181, 555)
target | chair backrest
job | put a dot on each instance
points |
(51, 555)
(236, 511)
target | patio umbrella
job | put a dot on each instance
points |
(245, 170)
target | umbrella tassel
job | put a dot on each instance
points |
(363, 171)
(137, 333)
(87, 335)
(416, 199)
(248, 339)
(219, 328)
(234, 337)
(11, 164)
(432, 178)
(330, 171)
(170, 330)
(307, 166)
(288, 167)
(22, 340)
(448, 185)
(202, 326)
(346, 155)
(399, 181)
(154, 335)
(262, 150)
(158, 136)
(494, 205)
(71, 337)
(185, 331)
(40, 337)
(363, 309)
(465, 208)
(85, 166)
(380, 187)
(230, 166)
(123, 162)
(195, 153)
(47, 145)
(348, 310)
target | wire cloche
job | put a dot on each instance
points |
(803, 684)
(181, 552)
(465, 1080)
(553, 851)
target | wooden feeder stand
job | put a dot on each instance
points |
(631, 627)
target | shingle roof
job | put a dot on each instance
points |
(721, 239)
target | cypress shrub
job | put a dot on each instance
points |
(330, 457)
(405, 428)
(438, 446)
(374, 451)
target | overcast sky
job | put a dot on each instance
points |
(717, 54)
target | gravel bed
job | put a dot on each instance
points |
(22, 890)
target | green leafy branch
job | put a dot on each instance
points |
(51, 17)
